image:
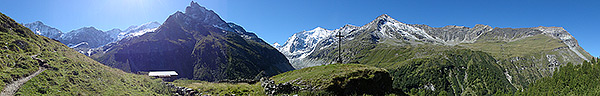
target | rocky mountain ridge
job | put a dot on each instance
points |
(198, 45)
(39, 28)
(87, 39)
(387, 28)
(524, 54)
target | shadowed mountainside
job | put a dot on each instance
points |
(199, 45)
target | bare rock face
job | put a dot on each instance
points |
(453, 35)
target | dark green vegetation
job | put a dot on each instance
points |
(209, 88)
(571, 80)
(439, 70)
(69, 73)
(339, 79)
(528, 59)
(199, 45)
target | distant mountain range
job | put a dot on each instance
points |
(86, 39)
(302, 44)
(199, 45)
(522, 55)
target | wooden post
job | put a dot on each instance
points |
(339, 46)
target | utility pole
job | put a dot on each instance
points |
(339, 46)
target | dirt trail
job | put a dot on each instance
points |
(13, 87)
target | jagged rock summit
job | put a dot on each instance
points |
(199, 45)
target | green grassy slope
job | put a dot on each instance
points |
(210, 88)
(519, 48)
(69, 72)
(340, 79)
(527, 59)
(334, 79)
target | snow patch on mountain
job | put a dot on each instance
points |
(389, 27)
(132, 31)
(276, 45)
(302, 44)
(77, 45)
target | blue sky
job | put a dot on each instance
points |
(276, 20)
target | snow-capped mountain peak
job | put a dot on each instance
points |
(148, 25)
(347, 29)
(136, 30)
(391, 28)
(318, 28)
(301, 44)
(92, 37)
(318, 33)
(276, 45)
(41, 29)
(385, 17)
(153, 24)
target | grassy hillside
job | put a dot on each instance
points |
(340, 79)
(518, 48)
(334, 79)
(69, 72)
(527, 59)
(210, 88)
